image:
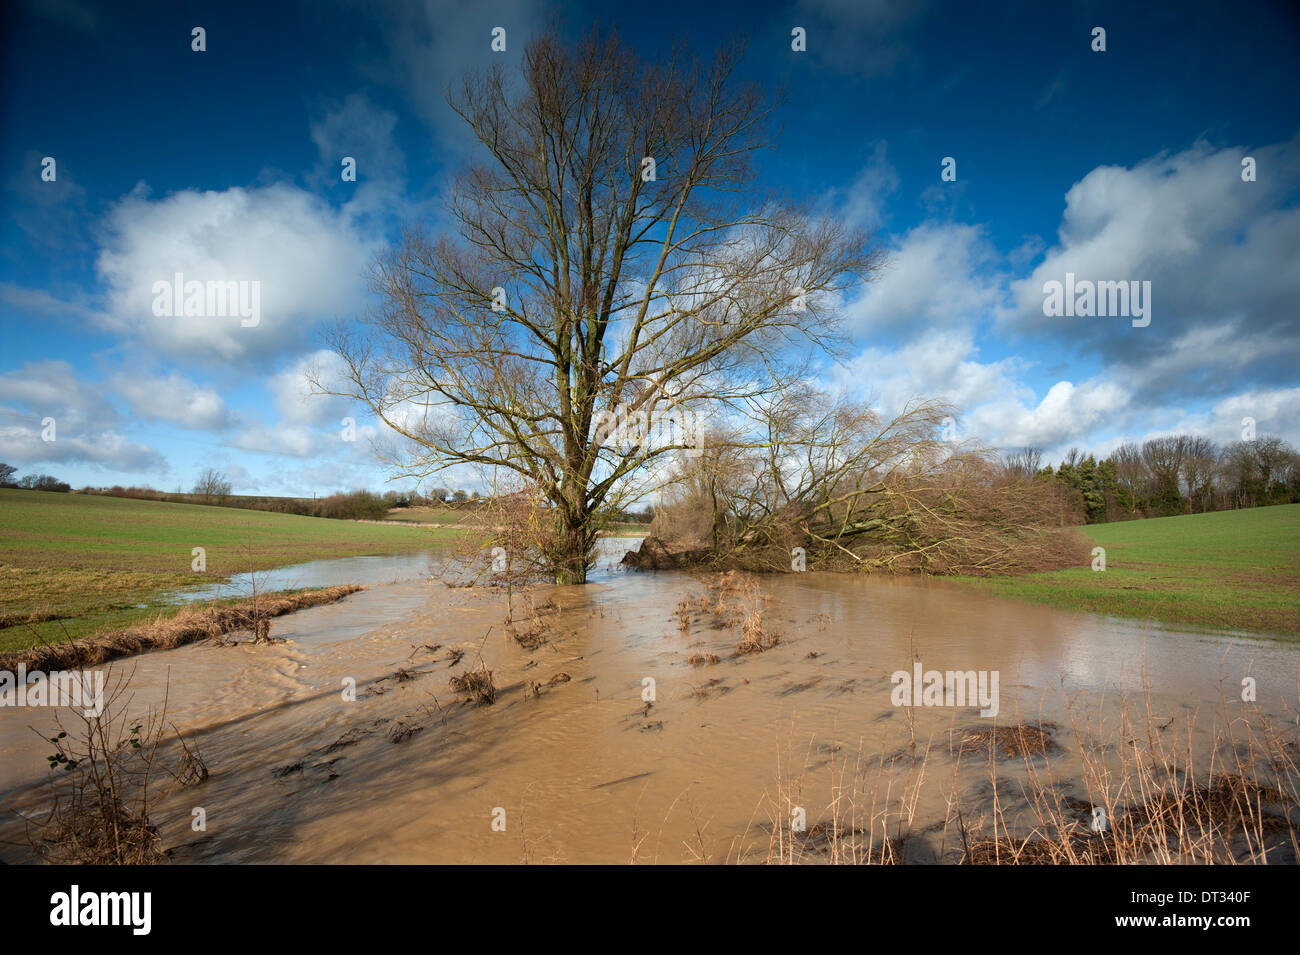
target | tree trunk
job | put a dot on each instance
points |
(572, 568)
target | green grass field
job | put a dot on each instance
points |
(82, 563)
(1234, 570)
(436, 514)
(469, 515)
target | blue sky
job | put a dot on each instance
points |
(1115, 165)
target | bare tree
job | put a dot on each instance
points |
(822, 465)
(1271, 457)
(212, 485)
(1131, 473)
(1288, 473)
(1164, 460)
(704, 495)
(613, 258)
(1238, 473)
(1024, 463)
(1199, 469)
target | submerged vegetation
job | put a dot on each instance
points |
(477, 685)
(107, 771)
(731, 601)
(1154, 800)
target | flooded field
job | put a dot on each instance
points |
(634, 732)
(366, 571)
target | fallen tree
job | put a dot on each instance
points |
(827, 484)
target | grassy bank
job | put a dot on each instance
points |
(445, 514)
(1236, 570)
(470, 515)
(173, 628)
(72, 565)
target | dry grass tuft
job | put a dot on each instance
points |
(536, 634)
(1075, 848)
(828, 840)
(1010, 741)
(192, 769)
(477, 684)
(1229, 799)
(1115, 787)
(733, 599)
(753, 637)
(401, 731)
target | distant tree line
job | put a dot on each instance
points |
(214, 487)
(350, 505)
(31, 482)
(1177, 474)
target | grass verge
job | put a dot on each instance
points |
(169, 630)
(1233, 570)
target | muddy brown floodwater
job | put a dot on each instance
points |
(584, 770)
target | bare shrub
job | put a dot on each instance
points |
(536, 631)
(534, 635)
(352, 506)
(100, 789)
(1148, 800)
(192, 769)
(510, 545)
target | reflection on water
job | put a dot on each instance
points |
(383, 569)
(367, 571)
(585, 769)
